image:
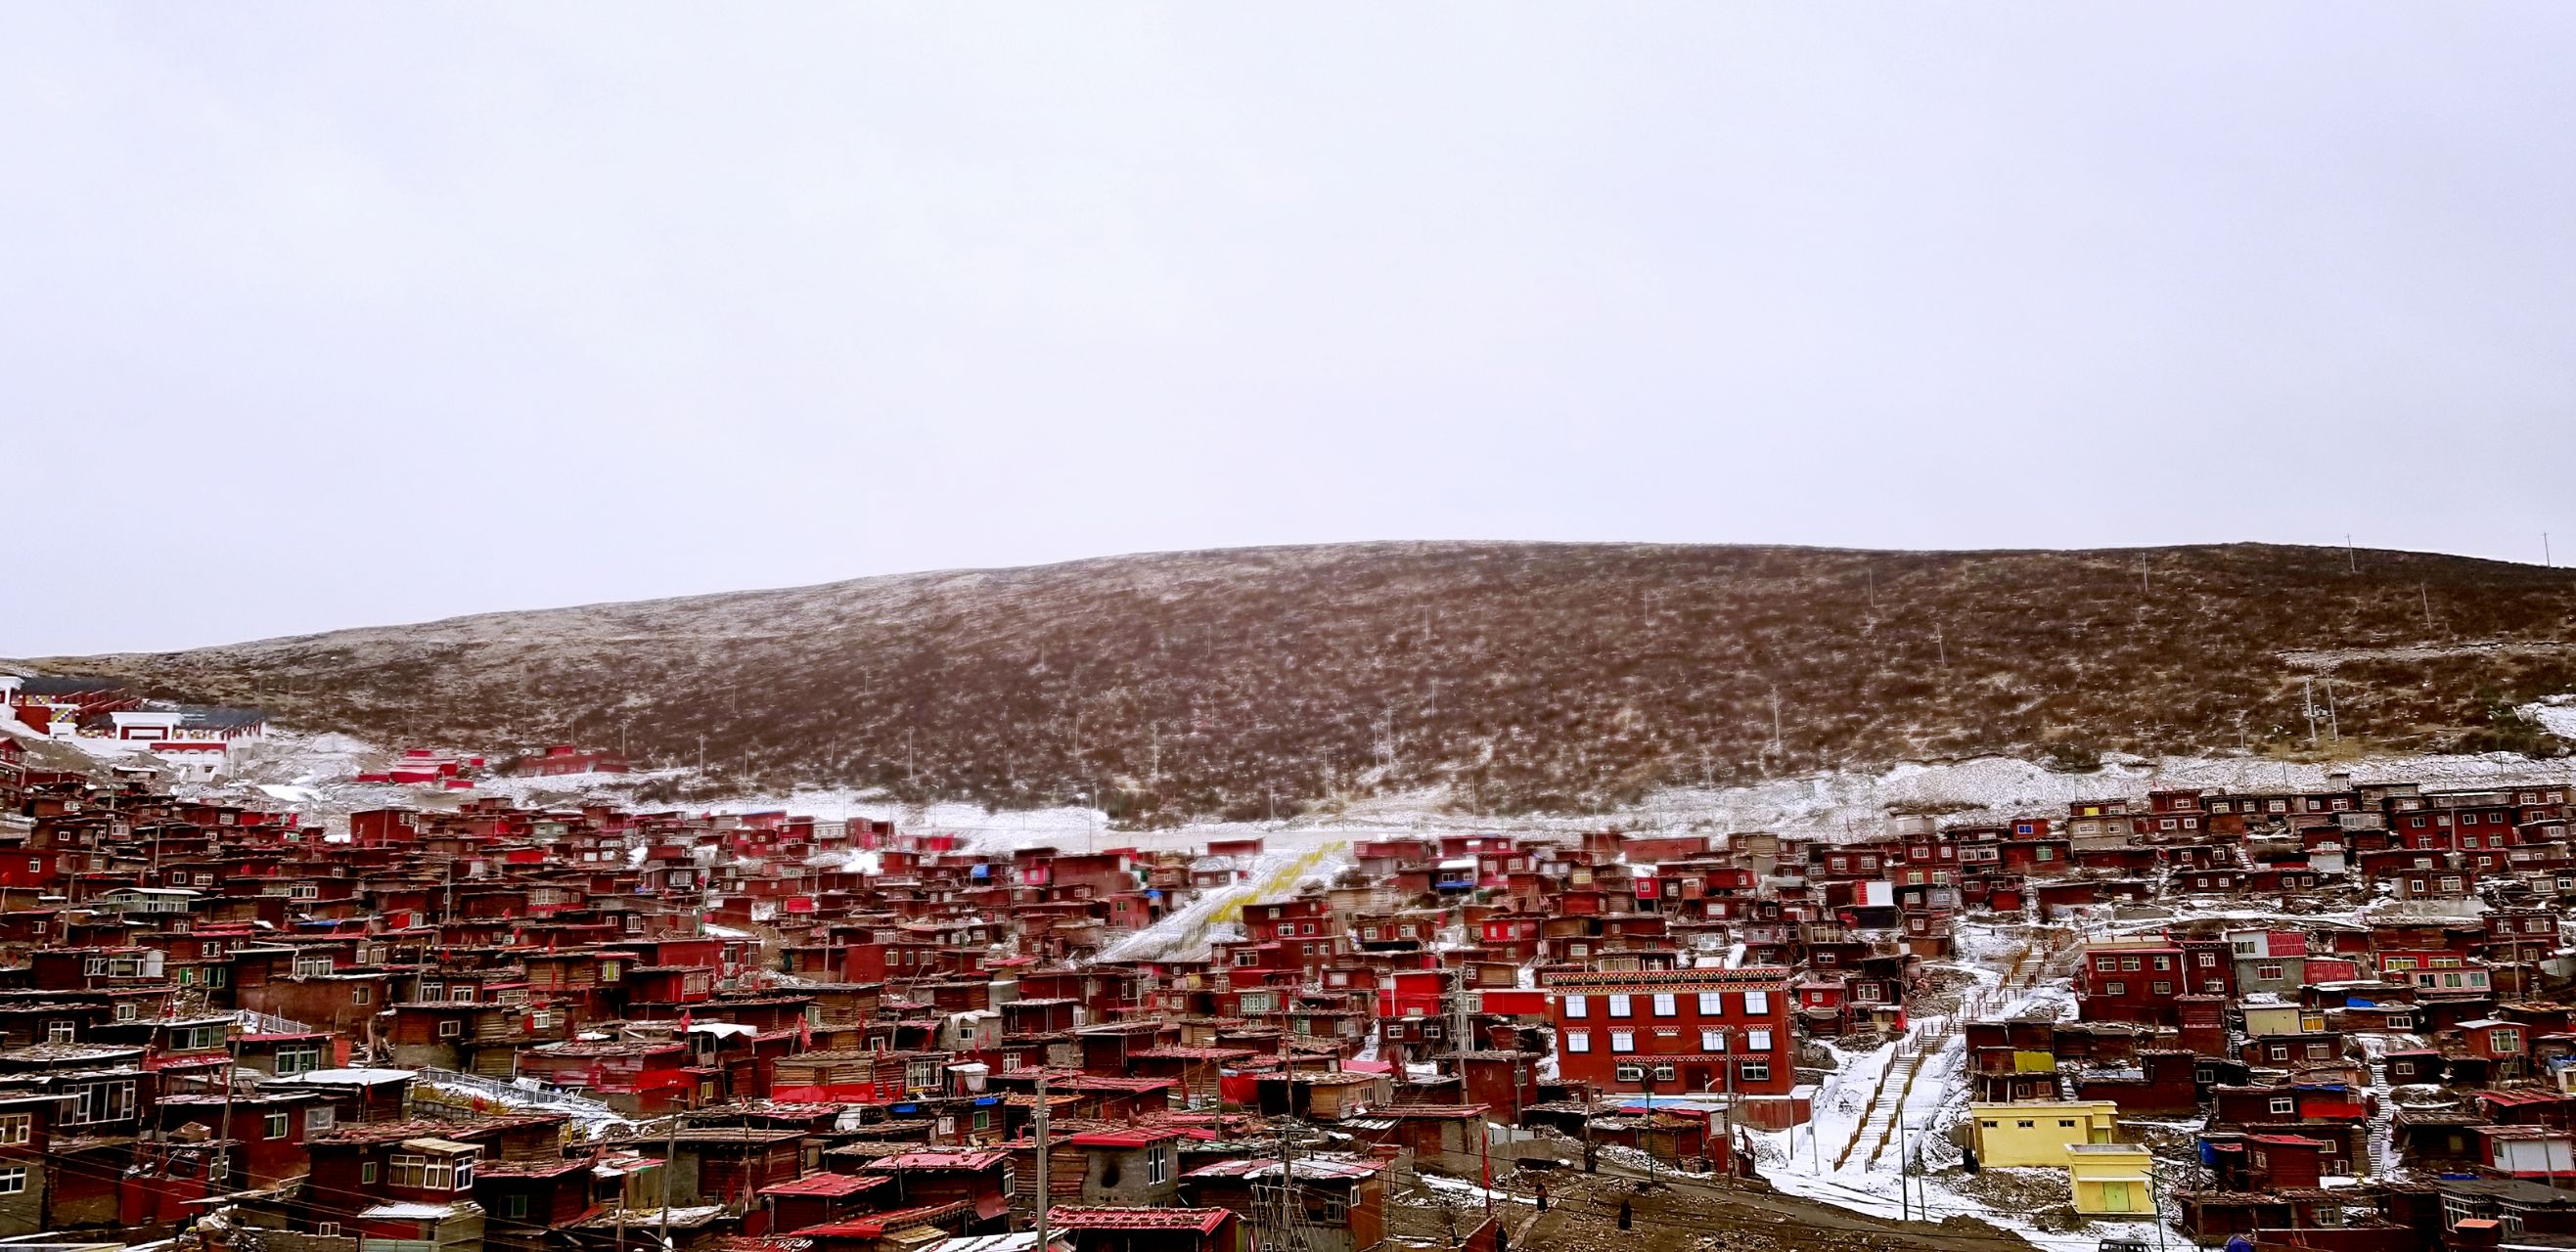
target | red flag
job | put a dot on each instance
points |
(804, 1035)
(684, 1021)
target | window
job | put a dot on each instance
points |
(2115, 988)
(1575, 1006)
(1758, 1040)
(1712, 1003)
(2164, 986)
(2129, 964)
(102, 1102)
(434, 1173)
(60, 1032)
(1619, 1006)
(1578, 1041)
(1757, 1004)
(362, 993)
(274, 1126)
(13, 1180)
(2269, 971)
(1623, 1041)
(367, 1172)
(2284, 1104)
(1158, 1163)
(518, 1206)
(192, 1038)
(1755, 1071)
(1665, 1005)
(2280, 1052)
(451, 1029)
(1712, 1041)
(1630, 1073)
(17, 1127)
(319, 1118)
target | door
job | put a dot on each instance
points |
(2115, 1197)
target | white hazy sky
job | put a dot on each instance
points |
(346, 314)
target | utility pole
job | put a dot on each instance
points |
(1775, 719)
(2351, 556)
(1646, 1137)
(224, 1146)
(1038, 1126)
(2426, 595)
(670, 1150)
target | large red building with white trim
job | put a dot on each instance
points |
(1688, 1030)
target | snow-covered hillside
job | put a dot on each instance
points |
(1505, 678)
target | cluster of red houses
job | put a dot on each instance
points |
(434, 1029)
(417, 1029)
(2359, 995)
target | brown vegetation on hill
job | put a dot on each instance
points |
(1522, 676)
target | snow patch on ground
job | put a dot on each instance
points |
(2556, 714)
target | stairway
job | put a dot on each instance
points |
(1879, 1128)
(2383, 1123)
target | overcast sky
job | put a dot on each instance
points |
(349, 314)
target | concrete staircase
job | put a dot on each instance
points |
(2383, 1123)
(1879, 1126)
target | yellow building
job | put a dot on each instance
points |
(2036, 1133)
(2111, 1179)
(2281, 1019)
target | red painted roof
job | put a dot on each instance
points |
(1138, 1137)
(828, 1184)
(944, 1160)
(1204, 1221)
(876, 1224)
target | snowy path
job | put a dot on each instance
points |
(1184, 934)
(1811, 1161)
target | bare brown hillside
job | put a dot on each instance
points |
(1522, 675)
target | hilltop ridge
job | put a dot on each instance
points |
(1519, 676)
